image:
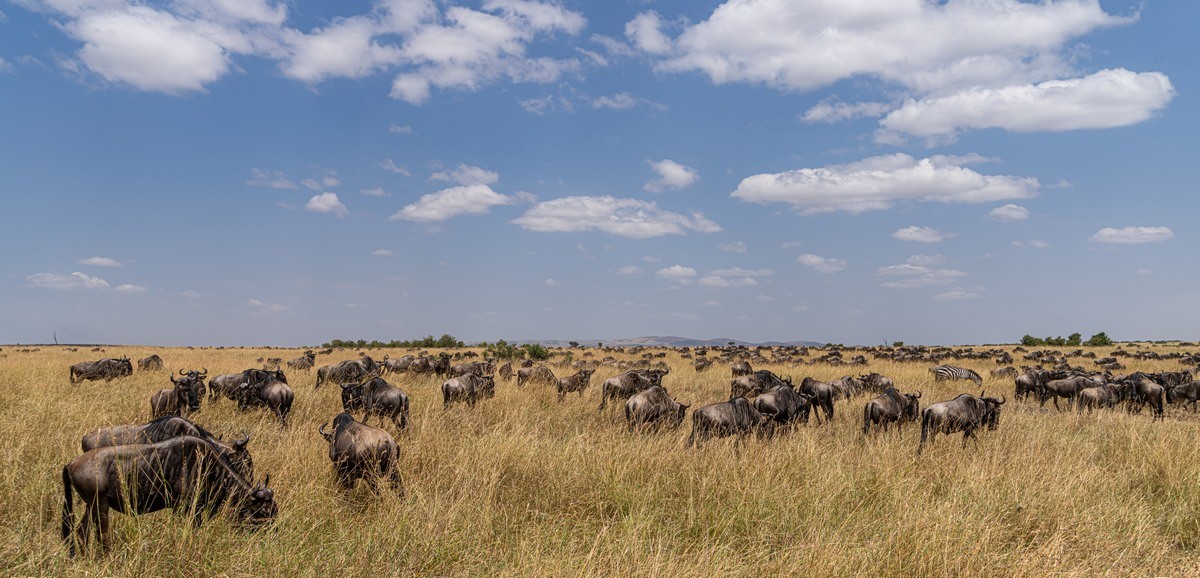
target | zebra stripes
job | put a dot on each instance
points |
(949, 373)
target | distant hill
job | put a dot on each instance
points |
(667, 341)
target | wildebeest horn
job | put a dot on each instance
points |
(204, 373)
(266, 481)
(1002, 400)
(242, 442)
(918, 394)
(347, 385)
(182, 372)
(321, 430)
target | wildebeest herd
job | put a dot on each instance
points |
(171, 462)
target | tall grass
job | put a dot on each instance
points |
(525, 486)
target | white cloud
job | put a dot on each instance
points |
(390, 166)
(1132, 235)
(623, 217)
(1009, 213)
(921, 235)
(913, 275)
(382, 253)
(451, 202)
(646, 34)
(327, 203)
(547, 104)
(651, 259)
(629, 270)
(262, 308)
(960, 294)
(926, 260)
(734, 247)
(101, 262)
(128, 288)
(734, 277)
(190, 294)
(821, 264)
(1106, 99)
(1038, 244)
(272, 179)
(671, 175)
(550, 283)
(76, 280)
(676, 272)
(467, 175)
(400, 129)
(764, 299)
(624, 101)
(877, 183)
(317, 184)
(374, 192)
(840, 111)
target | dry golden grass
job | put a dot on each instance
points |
(524, 486)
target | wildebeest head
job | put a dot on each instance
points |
(352, 396)
(489, 386)
(912, 407)
(258, 506)
(186, 388)
(991, 410)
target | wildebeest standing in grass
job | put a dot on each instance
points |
(186, 474)
(891, 406)
(304, 363)
(269, 392)
(480, 368)
(577, 383)
(625, 385)
(538, 374)
(181, 399)
(469, 388)
(151, 363)
(739, 368)
(350, 370)
(756, 383)
(965, 413)
(107, 369)
(506, 371)
(398, 365)
(359, 451)
(1066, 388)
(1146, 391)
(653, 406)
(165, 428)
(822, 395)
(377, 397)
(1106, 395)
(735, 417)
(784, 405)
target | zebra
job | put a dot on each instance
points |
(949, 372)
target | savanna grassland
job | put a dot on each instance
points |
(525, 486)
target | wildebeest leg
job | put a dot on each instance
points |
(1055, 407)
(101, 514)
(561, 394)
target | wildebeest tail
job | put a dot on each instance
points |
(866, 418)
(926, 418)
(68, 516)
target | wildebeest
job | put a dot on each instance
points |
(165, 428)
(350, 370)
(377, 397)
(876, 383)
(1066, 388)
(506, 371)
(187, 474)
(1187, 393)
(784, 405)
(653, 406)
(822, 395)
(1146, 391)
(439, 365)
(965, 413)
(304, 363)
(1004, 372)
(151, 363)
(480, 368)
(272, 363)
(469, 388)
(577, 382)
(891, 406)
(625, 385)
(846, 387)
(181, 399)
(733, 417)
(739, 368)
(756, 383)
(268, 391)
(1106, 395)
(398, 365)
(701, 364)
(538, 374)
(359, 451)
(107, 369)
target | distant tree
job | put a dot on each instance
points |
(1075, 339)
(1099, 340)
(573, 343)
(1030, 340)
(897, 344)
(535, 351)
(502, 350)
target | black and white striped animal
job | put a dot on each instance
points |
(952, 373)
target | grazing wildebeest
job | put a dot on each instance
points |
(398, 365)
(877, 383)
(1031, 381)
(756, 383)
(701, 364)
(304, 363)
(165, 428)
(469, 388)
(539, 374)
(739, 368)
(350, 370)
(107, 369)
(377, 397)
(653, 406)
(180, 400)
(1066, 388)
(1106, 395)
(891, 406)
(822, 395)
(187, 474)
(625, 385)
(733, 417)
(951, 373)
(480, 368)
(846, 387)
(965, 413)
(1146, 391)
(577, 382)
(272, 363)
(359, 451)
(270, 392)
(151, 363)
(1004, 372)
(784, 405)
(1187, 393)
(225, 384)
(506, 371)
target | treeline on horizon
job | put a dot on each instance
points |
(1072, 340)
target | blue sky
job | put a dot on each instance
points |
(258, 172)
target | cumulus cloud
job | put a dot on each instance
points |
(918, 271)
(624, 101)
(128, 288)
(821, 264)
(551, 283)
(876, 183)
(676, 272)
(101, 262)
(327, 203)
(1034, 244)
(400, 129)
(840, 111)
(629, 270)
(1009, 213)
(921, 235)
(390, 166)
(451, 202)
(262, 308)
(671, 175)
(633, 218)
(271, 179)
(467, 175)
(1106, 99)
(382, 253)
(374, 192)
(1132, 235)
(961, 293)
(78, 280)
(734, 277)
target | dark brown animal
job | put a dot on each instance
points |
(469, 388)
(728, 418)
(574, 383)
(151, 363)
(180, 400)
(107, 369)
(625, 385)
(784, 405)
(538, 374)
(361, 452)
(377, 397)
(965, 413)
(653, 406)
(891, 407)
(165, 428)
